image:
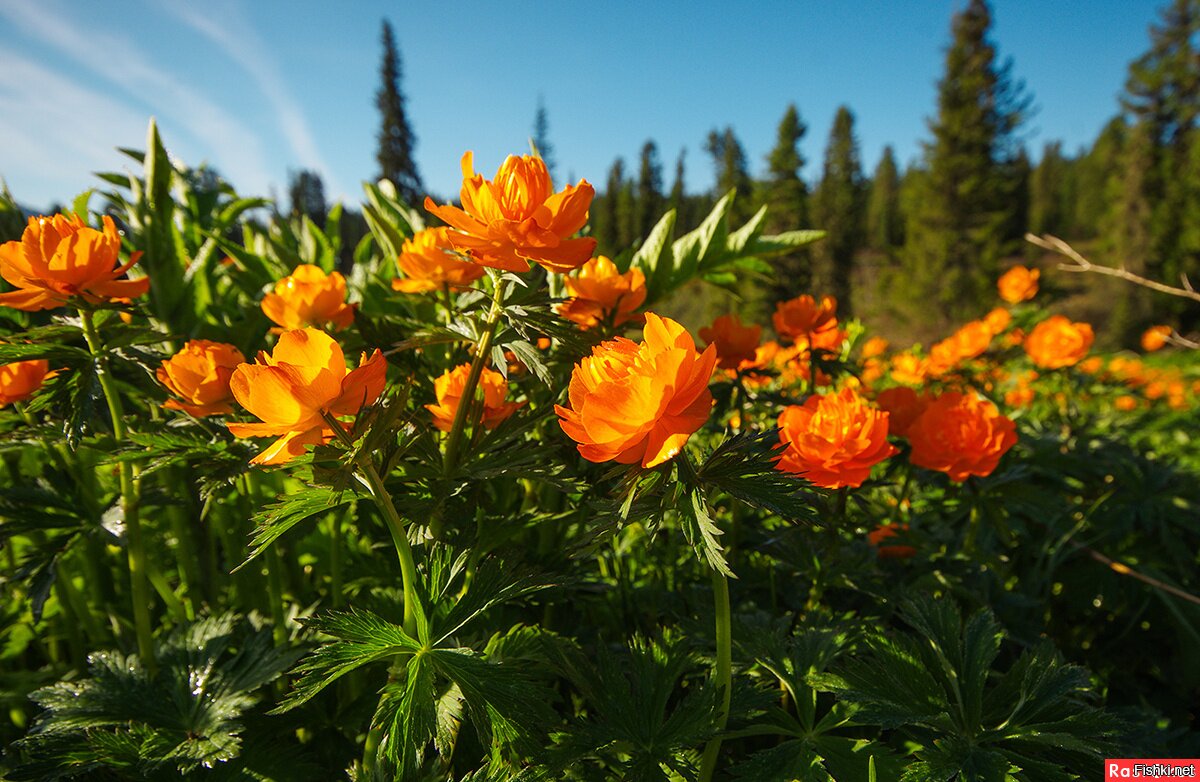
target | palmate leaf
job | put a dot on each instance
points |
(279, 517)
(186, 717)
(1032, 723)
(743, 466)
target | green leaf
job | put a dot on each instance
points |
(276, 519)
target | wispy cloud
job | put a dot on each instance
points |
(228, 27)
(235, 148)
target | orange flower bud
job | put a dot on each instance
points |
(894, 551)
(517, 217)
(309, 298)
(428, 263)
(875, 346)
(1057, 342)
(998, 320)
(449, 389)
(1155, 337)
(903, 405)
(1018, 284)
(199, 374)
(833, 440)
(60, 258)
(803, 316)
(1020, 396)
(736, 343)
(961, 435)
(21, 379)
(635, 402)
(598, 292)
(291, 389)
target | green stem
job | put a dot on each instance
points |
(336, 546)
(724, 672)
(275, 588)
(130, 500)
(482, 351)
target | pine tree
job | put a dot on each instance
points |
(1129, 236)
(541, 138)
(1090, 207)
(676, 199)
(606, 219)
(396, 139)
(306, 193)
(729, 160)
(1046, 199)
(786, 197)
(963, 216)
(840, 208)
(649, 190)
(885, 227)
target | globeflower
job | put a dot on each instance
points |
(1018, 284)
(633, 402)
(293, 387)
(199, 375)
(803, 317)
(998, 320)
(875, 346)
(449, 389)
(1155, 337)
(309, 297)
(1057, 342)
(599, 292)
(19, 380)
(506, 222)
(903, 406)
(736, 342)
(428, 263)
(961, 435)
(834, 440)
(60, 258)
(968, 342)
(882, 533)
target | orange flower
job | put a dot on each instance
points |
(875, 346)
(428, 263)
(21, 379)
(290, 390)
(909, 369)
(833, 440)
(893, 551)
(598, 292)
(903, 405)
(829, 340)
(968, 342)
(1126, 403)
(1020, 396)
(449, 388)
(309, 298)
(1057, 342)
(1091, 365)
(736, 343)
(199, 374)
(1155, 337)
(1018, 284)
(60, 258)
(639, 403)
(998, 320)
(961, 435)
(802, 316)
(517, 217)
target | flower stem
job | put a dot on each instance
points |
(482, 350)
(130, 500)
(724, 672)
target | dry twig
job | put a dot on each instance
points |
(1080, 264)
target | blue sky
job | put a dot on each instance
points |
(256, 88)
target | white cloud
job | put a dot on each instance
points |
(241, 42)
(219, 136)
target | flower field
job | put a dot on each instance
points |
(474, 506)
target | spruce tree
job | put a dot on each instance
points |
(606, 218)
(885, 229)
(1090, 207)
(962, 219)
(676, 199)
(1046, 202)
(840, 208)
(786, 197)
(649, 190)
(306, 193)
(729, 160)
(541, 138)
(396, 139)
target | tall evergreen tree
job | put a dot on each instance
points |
(396, 138)
(841, 208)
(729, 160)
(606, 217)
(541, 137)
(675, 200)
(885, 228)
(1090, 207)
(649, 190)
(1046, 201)
(786, 197)
(961, 220)
(306, 193)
